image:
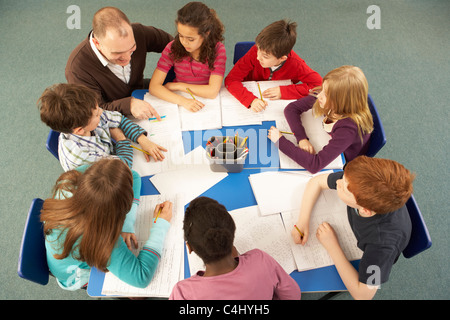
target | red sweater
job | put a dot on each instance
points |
(294, 68)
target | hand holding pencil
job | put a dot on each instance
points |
(163, 211)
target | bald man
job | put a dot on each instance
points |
(111, 61)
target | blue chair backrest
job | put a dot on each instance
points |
(32, 257)
(52, 143)
(241, 48)
(420, 237)
(378, 137)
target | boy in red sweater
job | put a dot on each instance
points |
(272, 58)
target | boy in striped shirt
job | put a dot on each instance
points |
(89, 133)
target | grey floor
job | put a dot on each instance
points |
(406, 63)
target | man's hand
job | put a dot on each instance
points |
(141, 109)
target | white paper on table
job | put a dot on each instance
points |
(278, 191)
(234, 113)
(318, 137)
(168, 272)
(328, 208)
(166, 133)
(266, 233)
(209, 117)
(191, 180)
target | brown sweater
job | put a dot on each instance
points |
(84, 67)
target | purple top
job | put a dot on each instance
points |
(344, 138)
(257, 277)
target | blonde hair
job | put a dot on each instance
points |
(347, 97)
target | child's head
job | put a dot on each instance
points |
(198, 31)
(66, 107)
(102, 197)
(275, 42)
(344, 93)
(378, 185)
(209, 229)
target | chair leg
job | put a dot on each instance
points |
(330, 295)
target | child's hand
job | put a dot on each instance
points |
(272, 93)
(166, 211)
(306, 146)
(298, 239)
(327, 237)
(152, 148)
(128, 238)
(274, 134)
(258, 105)
(192, 105)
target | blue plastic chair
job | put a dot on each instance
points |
(420, 237)
(241, 48)
(32, 257)
(378, 137)
(52, 143)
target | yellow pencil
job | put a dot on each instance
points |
(259, 88)
(160, 209)
(286, 132)
(243, 142)
(140, 150)
(190, 92)
(301, 234)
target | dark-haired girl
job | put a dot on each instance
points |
(209, 232)
(197, 55)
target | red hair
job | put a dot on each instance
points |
(379, 185)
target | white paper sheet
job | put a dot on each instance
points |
(278, 191)
(313, 255)
(191, 180)
(263, 232)
(209, 117)
(168, 272)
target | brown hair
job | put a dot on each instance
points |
(64, 107)
(93, 217)
(278, 38)
(347, 95)
(198, 15)
(109, 17)
(380, 185)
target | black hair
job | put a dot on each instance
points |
(209, 229)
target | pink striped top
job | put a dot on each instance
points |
(191, 71)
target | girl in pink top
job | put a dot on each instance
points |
(197, 55)
(209, 232)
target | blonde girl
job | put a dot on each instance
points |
(342, 100)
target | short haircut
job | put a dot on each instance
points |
(109, 17)
(278, 38)
(64, 107)
(379, 185)
(209, 229)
